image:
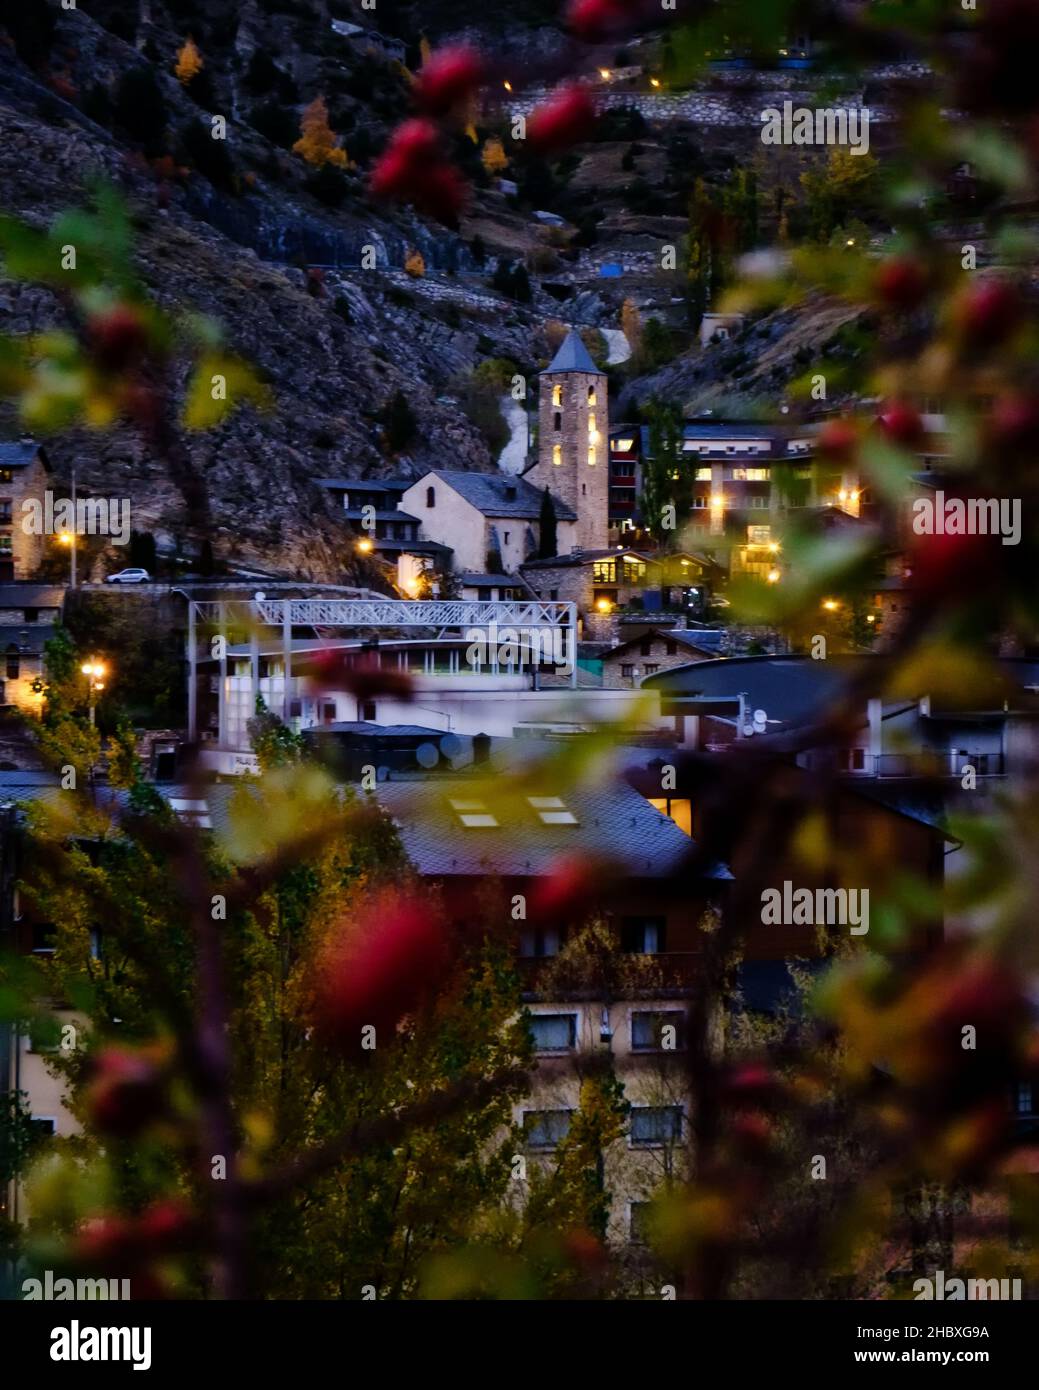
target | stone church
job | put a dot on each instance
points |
(573, 432)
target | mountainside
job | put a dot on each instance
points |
(334, 349)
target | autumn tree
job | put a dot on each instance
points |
(318, 145)
(493, 156)
(414, 263)
(631, 325)
(189, 62)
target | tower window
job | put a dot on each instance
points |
(557, 454)
(591, 453)
(557, 421)
(431, 496)
(591, 395)
(557, 396)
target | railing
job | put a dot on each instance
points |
(634, 975)
(946, 763)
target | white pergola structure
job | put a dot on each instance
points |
(550, 624)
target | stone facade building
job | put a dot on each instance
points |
(625, 667)
(24, 473)
(490, 520)
(573, 448)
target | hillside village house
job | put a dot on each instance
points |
(601, 580)
(28, 613)
(624, 667)
(24, 473)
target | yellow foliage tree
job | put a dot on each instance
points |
(317, 143)
(494, 158)
(189, 61)
(631, 324)
(414, 264)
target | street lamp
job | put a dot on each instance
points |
(68, 538)
(94, 670)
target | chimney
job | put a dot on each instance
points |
(481, 749)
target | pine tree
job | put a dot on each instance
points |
(547, 542)
(189, 62)
(318, 145)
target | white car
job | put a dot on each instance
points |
(131, 576)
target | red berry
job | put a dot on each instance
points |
(167, 1224)
(901, 282)
(838, 439)
(449, 78)
(379, 969)
(1015, 421)
(566, 118)
(117, 338)
(596, 19)
(751, 1081)
(988, 313)
(945, 566)
(125, 1092)
(902, 424)
(103, 1239)
(752, 1132)
(368, 681)
(413, 169)
(564, 892)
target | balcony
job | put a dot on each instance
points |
(936, 764)
(633, 975)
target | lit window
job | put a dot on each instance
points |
(703, 475)
(678, 809)
(551, 810)
(591, 395)
(554, 1032)
(623, 446)
(473, 814)
(557, 454)
(557, 395)
(603, 571)
(654, 1125)
(591, 453)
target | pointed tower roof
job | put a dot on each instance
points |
(572, 357)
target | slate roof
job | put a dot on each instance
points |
(790, 689)
(572, 356)
(585, 557)
(489, 581)
(29, 639)
(18, 453)
(680, 636)
(500, 494)
(31, 595)
(357, 514)
(614, 822)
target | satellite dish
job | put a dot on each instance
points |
(427, 755)
(450, 745)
